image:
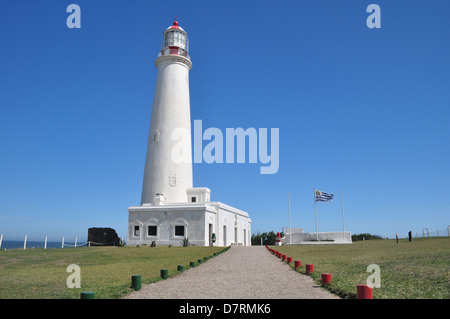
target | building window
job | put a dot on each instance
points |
(179, 231)
(136, 230)
(152, 230)
(193, 199)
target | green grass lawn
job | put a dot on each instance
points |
(106, 271)
(418, 269)
(409, 270)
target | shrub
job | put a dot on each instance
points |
(365, 236)
(185, 242)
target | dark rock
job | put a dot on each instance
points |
(99, 236)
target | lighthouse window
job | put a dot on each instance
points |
(166, 39)
(156, 136)
(136, 230)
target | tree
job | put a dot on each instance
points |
(268, 238)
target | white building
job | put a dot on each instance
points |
(171, 208)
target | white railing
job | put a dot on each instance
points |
(63, 244)
(174, 51)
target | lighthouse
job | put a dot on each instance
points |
(166, 179)
(172, 211)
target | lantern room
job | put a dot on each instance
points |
(175, 41)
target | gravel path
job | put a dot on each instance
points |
(239, 273)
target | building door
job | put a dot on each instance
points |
(224, 235)
(245, 238)
(210, 234)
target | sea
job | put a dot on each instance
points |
(18, 244)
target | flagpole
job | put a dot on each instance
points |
(289, 208)
(343, 225)
(315, 210)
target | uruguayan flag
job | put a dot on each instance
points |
(322, 197)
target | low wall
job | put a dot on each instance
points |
(299, 238)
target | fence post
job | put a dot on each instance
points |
(136, 282)
(75, 242)
(1, 239)
(86, 295)
(448, 231)
(363, 292)
(25, 242)
(45, 243)
(62, 244)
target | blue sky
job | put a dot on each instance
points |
(365, 110)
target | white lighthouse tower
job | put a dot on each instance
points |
(171, 209)
(166, 180)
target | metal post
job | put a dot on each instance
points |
(315, 211)
(290, 229)
(75, 242)
(343, 226)
(1, 239)
(62, 244)
(45, 243)
(25, 242)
